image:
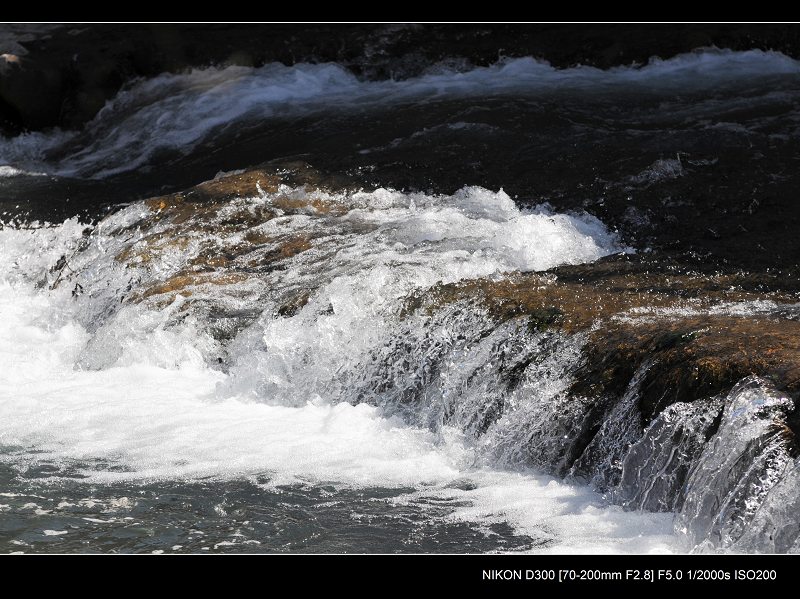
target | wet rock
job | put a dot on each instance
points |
(8, 61)
(206, 252)
(182, 284)
(700, 334)
(697, 356)
(601, 460)
(574, 298)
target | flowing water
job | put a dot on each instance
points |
(273, 373)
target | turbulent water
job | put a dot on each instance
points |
(141, 396)
(177, 112)
(272, 373)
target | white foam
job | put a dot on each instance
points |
(694, 307)
(406, 243)
(177, 111)
(28, 253)
(573, 518)
(166, 423)
(363, 265)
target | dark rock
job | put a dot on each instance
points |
(31, 94)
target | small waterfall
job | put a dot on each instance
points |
(774, 527)
(655, 468)
(295, 296)
(738, 468)
(601, 461)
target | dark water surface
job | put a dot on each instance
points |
(231, 517)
